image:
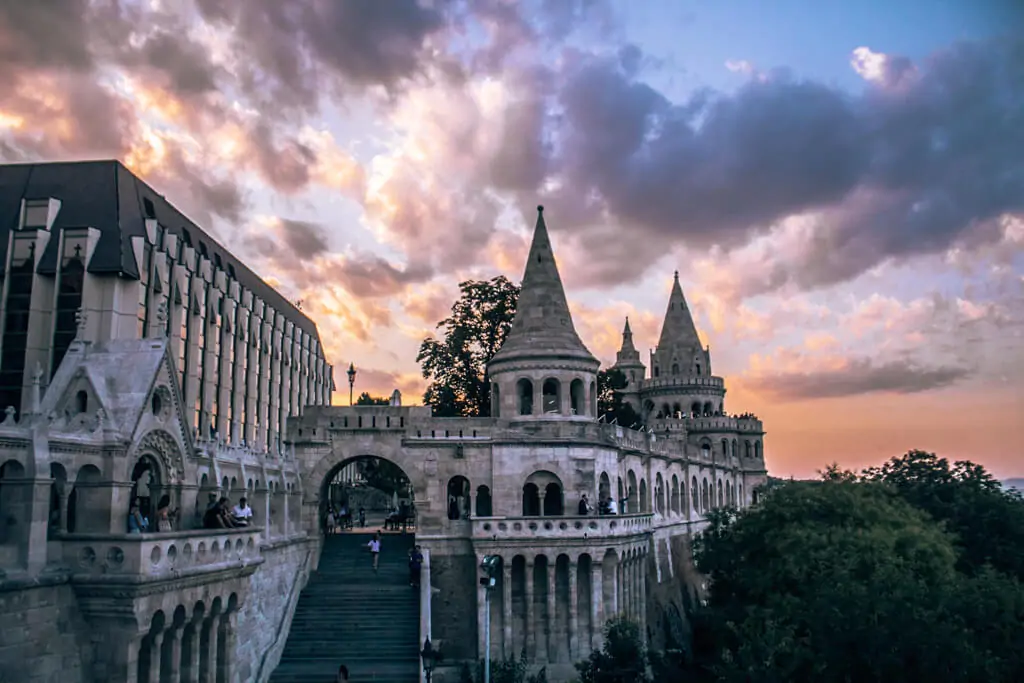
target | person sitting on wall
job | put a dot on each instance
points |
(242, 513)
(136, 522)
(613, 508)
(584, 507)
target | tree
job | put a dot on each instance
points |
(366, 400)
(610, 384)
(623, 659)
(987, 520)
(841, 581)
(456, 364)
(383, 475)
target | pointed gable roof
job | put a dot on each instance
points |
(678, 328)
(543, 326)
(627, 356)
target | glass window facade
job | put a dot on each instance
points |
(69, 297)
(19, 298)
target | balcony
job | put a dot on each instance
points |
(560, 528)
(162, 555)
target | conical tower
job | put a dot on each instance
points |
(679, 351)
(627, 359)
(543, 370)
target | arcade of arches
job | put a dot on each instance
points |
(554, 605)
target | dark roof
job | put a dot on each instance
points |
(107, 196)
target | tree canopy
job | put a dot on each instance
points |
(366, 400)
(610, 384)
(846, 580)
(456, 364)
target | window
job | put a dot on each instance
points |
(19, 296)
(69, 299)
(144, 289)
(37, 213)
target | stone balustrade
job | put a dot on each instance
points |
(683, 381)
(610, 526)
(159, 554)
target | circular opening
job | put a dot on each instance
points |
(517, 526)
(563, 526)
(115, 556)
(187, 552)
(579, 525)
(87, 557)
(250, 545)
(172, 553)
(502, 526)
(487, 527)
(155, 555)
(215, 549)
(593, 525)
(202, 549)
(533, 526)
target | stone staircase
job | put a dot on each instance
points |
(348, 615)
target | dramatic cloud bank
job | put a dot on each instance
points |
(367, 155)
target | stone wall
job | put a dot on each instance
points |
(266, 617)
(453, 575)
(669, 601)
(42, 636)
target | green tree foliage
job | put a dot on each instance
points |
(842, 581)
(508, 670)
(610, 384)
(366, 400)
(456, 364)
(623, 659)
(988, 521)
(383, 475)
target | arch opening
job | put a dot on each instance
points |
(364, 490)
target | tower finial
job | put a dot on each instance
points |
(677, 276)
(540, 208)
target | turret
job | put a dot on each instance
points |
(543, 370)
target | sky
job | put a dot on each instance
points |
(839, 185)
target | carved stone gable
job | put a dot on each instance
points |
(161, 444)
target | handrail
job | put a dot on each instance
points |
(425, 596)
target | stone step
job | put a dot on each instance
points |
(347, 614)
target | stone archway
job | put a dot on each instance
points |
(316, 480)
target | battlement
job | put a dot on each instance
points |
(715, 423)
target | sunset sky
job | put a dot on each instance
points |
(840, 185)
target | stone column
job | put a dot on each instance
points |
(641, 585)
(65, 494)
(227, 634)
(156, 649)
(174, 665)
(209, 674)
(540, 498)
(506, 610)
(538, 397)
(261, 509)
(574, 645)
(529, 639)
(596, 606)
(481, 621)
(190, 673)
(552, 620)
(36, 516)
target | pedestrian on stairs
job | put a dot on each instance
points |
(415, 566)
(342, 674)
(374, 546)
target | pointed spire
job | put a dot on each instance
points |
(627, 338)
(627, 356)
(678, 328)
(543, 326)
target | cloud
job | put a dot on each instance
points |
(850, 377)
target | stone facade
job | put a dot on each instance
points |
(510, 485)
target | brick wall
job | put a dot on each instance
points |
(39, 642)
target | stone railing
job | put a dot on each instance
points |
(682, 381)
(464, 429)
(156, 555)
(609, 526)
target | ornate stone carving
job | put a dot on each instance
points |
(161, 444)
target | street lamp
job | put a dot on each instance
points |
(430, 658)
(351, 380)
(490, 566)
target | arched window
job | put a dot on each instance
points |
(708, 408)
(698, 368)
(552, 396)
(524, 389)
(645, 505)
(677, 410)
(657, 371)
(674, 496)
(757, 450)
(146, 487)
(704, 497)
(15, 514)
(604, 487)
(659, 494)
(554, 505)
(495, 400)
(484, 505)
(458, 497)
(705, 449)
(675, 368)
(735, 449)
(58, 490)
(593, 399)
(631, 494)
(666, 411)
(531, 500)
(695, 409)
(748, 448)
(577, 397)
(81, 402)
(694, 495)
(721, 495)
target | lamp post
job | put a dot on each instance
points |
(351, 380)
(430, 658)
(490, 567)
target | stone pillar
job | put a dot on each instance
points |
(156, 649)
(260, 504)
(506, 610)
(597, 616)
(285, 512)
(641, 585)
(552, 620)
(529, 639)
(118, 650)
(37, 519)
(574, 645)
(173, 638)
(227, 634)
(65, 495)
(540, 498)
(209, 673)
(481, 621)
(190, 668)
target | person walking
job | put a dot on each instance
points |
(342, 676)
(415, 566)
(374, 546)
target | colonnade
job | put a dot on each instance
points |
(196, 648)
(555, 606)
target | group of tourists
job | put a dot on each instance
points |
(138, 523)
(219, 514)
(338, 519)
